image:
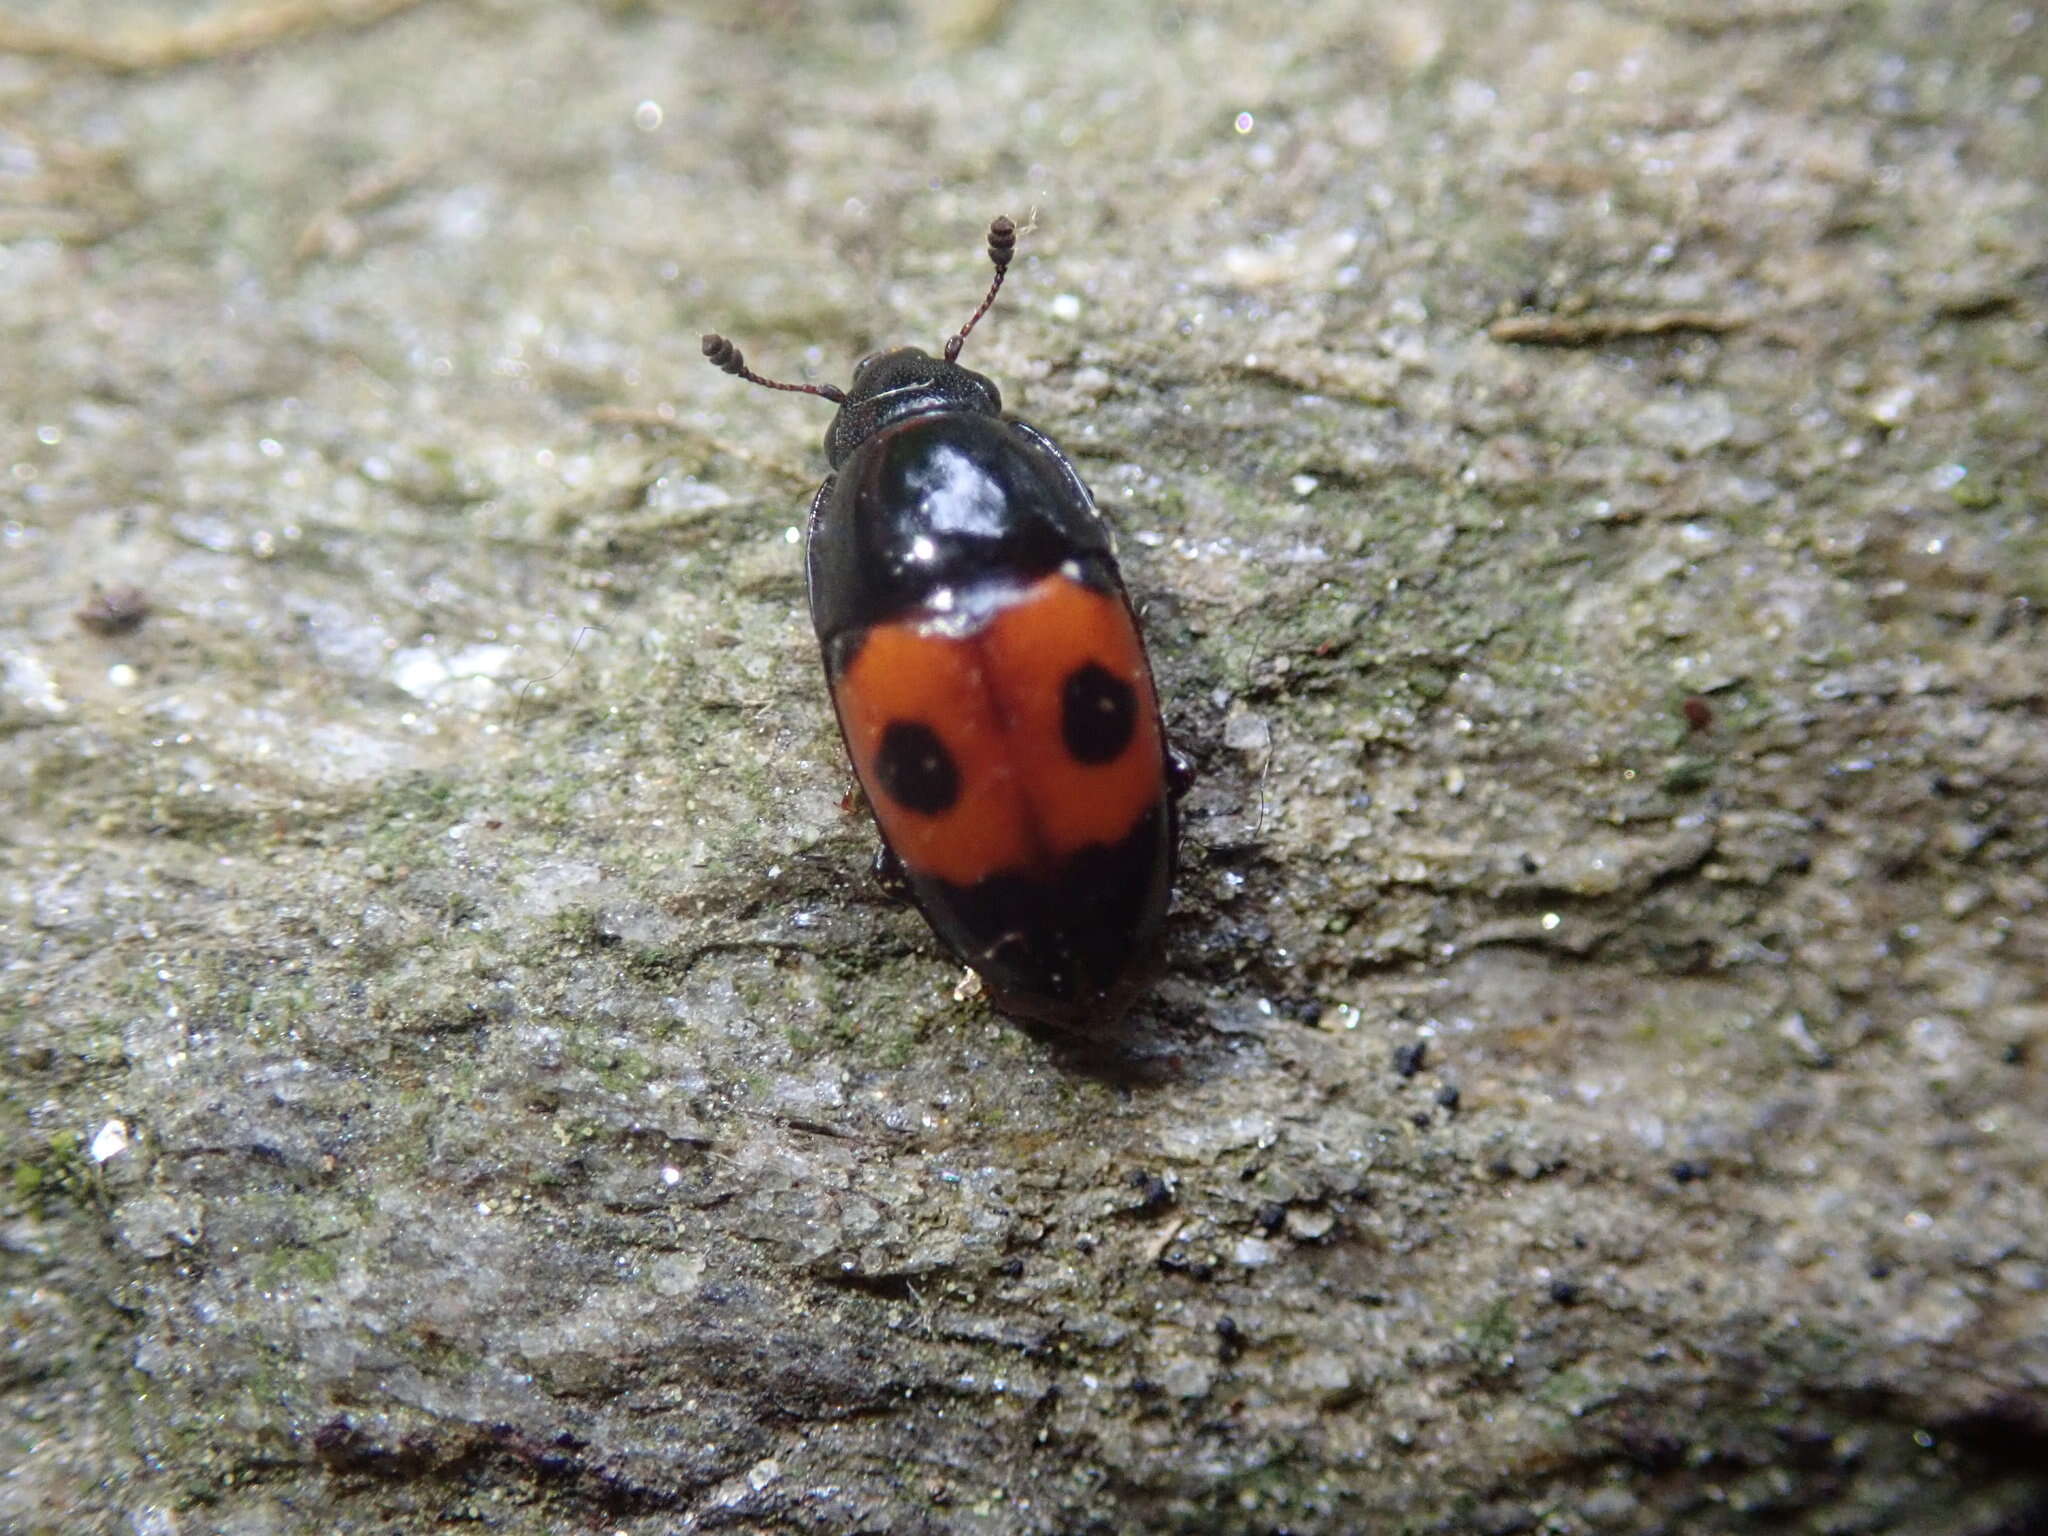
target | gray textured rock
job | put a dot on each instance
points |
(531, 1118)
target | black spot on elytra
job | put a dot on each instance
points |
(1098, 713)
(916, 770)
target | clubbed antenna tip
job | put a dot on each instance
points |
(727, 358)
(1002, 241)
(1002, 245)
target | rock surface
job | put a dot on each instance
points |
(1582, 472)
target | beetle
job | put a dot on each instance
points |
(990, 681)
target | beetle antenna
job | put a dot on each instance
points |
(726, 357)
(1002, 245)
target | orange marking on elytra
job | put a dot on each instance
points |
(1032, 647)
(994, 698)
(903, 673)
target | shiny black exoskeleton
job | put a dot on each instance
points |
(932, 489)
(989, 678)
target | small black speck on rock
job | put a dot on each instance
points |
(1271, 1216)
(1154, 1193)
(114, 610)
(1688, 1171)
(1230, 1340)
(1566, 1293)
(1408, 1058)
(1447, 1097)
(1653, 1450)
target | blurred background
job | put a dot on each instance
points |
(1580, 468)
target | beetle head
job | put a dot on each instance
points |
(900, 383)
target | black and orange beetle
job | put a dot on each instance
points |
(990, 681)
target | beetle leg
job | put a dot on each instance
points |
(1180, 771)
(890, 875)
